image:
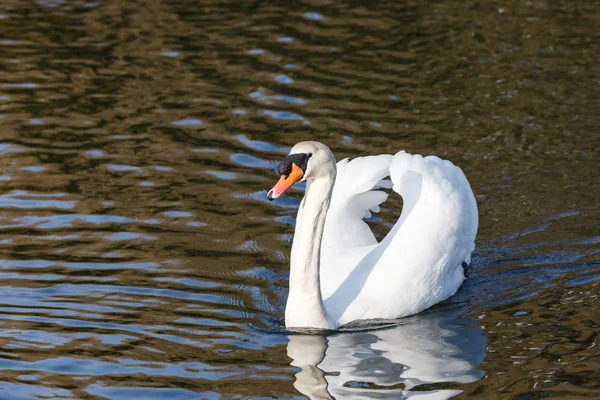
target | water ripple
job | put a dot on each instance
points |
(141, 258)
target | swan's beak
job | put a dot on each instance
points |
(285, 182)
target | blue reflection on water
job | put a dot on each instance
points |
(188, 122)
(285, 115)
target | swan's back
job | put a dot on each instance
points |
(418, 263)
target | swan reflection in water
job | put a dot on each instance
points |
(409, 360)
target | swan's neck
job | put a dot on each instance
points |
(305, 307)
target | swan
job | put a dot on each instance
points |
(339, 273)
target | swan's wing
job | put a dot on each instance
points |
(418, 263)
(439, 207)
(352, 200)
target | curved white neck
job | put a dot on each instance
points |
(304, 308)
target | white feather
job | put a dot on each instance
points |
(419, 262)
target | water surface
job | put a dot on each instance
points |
(140, 258)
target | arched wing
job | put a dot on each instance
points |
(354, 198)
(418, 263)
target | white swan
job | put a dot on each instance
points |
(338, 272)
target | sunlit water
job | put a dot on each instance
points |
(140, 258)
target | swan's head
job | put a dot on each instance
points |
(307, 161)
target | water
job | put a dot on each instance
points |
(139, 256)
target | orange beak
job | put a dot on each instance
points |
(285, 182)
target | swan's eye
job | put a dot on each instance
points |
(300, 159)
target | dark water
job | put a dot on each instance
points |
(139, 258)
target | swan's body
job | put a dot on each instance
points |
(339, 273)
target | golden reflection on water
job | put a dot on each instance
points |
(139, 256)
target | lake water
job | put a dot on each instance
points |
(140, 258)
